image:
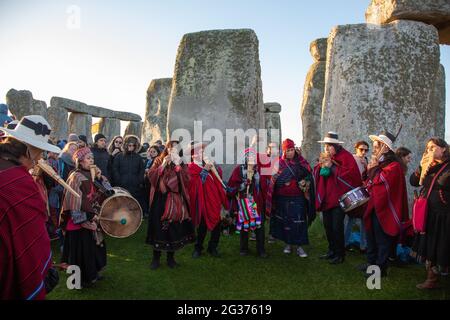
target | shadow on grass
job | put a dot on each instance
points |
(280, 276)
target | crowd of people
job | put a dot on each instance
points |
(183, 196)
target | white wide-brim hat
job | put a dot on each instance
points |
(383, 138)
(33, 130)
(331, 138)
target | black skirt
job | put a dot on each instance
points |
(167, 236)
(289, 223)
(80, 249)
(434, 245)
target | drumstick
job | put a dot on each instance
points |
(49, 170)
(122, 220)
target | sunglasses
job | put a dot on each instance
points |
(119, 142)
(363, 149)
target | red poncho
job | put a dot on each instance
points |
(173, 181)
(344, 177)
(389, 199)
(25, 254)
(206, 198)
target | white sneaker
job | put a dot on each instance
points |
(301, 253)
(287, 249)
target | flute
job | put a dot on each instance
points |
(214, 170)
(426, 166)
(52, 174)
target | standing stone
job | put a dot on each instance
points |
(21, 103)
(155, 124)
(311, 108)
(217, 81)
(435, 12)
(272, 121)
(438, 102)
(109, 127)
(134, 128)
(378, 78)
(81, 123)
(57, 118)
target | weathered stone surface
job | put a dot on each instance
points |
(438, 103)
(81, 123)
(273, 121)
(126, 116)
(80, 107)
(379, 78)
(134, 128)
(435, 12)
(217, 81)
(21, 103)
(110, 127)
(57, 118)
(155, 124)
(273, 107)
(311, 111)
(318, 49)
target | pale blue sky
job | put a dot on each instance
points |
(122, 45)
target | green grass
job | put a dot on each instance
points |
(280, 276)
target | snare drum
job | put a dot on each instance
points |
(354, 199)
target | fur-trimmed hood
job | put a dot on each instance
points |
(129, 138)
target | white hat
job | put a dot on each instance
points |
(33, 130)
(387, 138)
(331, 137)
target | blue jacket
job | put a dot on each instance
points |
(4, 114)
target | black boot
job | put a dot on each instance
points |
(244, 243)
(196, 254)
(171, 263)
(260, 239)
(337, 260)
(328, 256)
(156, 260)
(213, 252)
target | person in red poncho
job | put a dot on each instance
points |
(387, 209)
(26, 271)
(207, 196)
(292, 187)
(244, 189)
(336, 173)
(84, 244)
(170, 225)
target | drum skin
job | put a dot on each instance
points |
(120, 214)
(355, 201)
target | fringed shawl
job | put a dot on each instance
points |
(70, 202)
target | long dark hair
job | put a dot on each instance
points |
(169, 144)
(389, 157)
(12, 149)
(443, 144)
(111, 144)
(157, 150)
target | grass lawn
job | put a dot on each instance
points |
(280, 276)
